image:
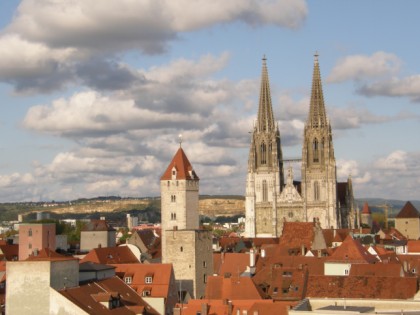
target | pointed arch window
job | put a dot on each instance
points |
(264, 190)
(316, 191)
(263, 154)
(315, 150)
(270, 154)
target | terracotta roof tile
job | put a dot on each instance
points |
(111, 255)
(296, 234)
(408, 211)
(351, 251)
(182, 167)
(47, 254)
(366, 209)
(219, 287)
(89, 297)
(97, 225)
(359, 287)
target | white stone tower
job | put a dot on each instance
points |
(265, 178)
(183, 244)
(319, 179)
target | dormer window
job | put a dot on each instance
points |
(174, 173)
(148, 279)
(128, 280)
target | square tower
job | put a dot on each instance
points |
(34, 237)
(183, 244)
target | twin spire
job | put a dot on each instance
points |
(317, 115)
(265, 122)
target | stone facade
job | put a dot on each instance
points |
(269, 201)
(32, 284)
(190, 252)
(95, 239)
(183, 244)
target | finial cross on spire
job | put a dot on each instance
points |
(316, 56)
(180, 140)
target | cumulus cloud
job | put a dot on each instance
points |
(361, 67)
(50, 44)
(394, 87)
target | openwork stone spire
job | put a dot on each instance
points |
(265, 121)
(317, 116)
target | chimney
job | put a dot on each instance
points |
(302, 247)
(230, 307)
(251, 258)
(204, 309)
(263, 253)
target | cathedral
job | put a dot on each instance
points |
(272, 195)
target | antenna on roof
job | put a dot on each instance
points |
(180, 139)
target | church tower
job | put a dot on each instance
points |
(265, 178)
(319, 179)
(184, 245)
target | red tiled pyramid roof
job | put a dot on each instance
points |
(182, 165)
(366, 209)
(408, 211)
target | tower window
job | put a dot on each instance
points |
(315, 150)
(263, 154)
(173, 216)
(30, 232)
(316, 191)
(264, 190)
(173, 198)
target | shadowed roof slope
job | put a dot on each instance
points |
(182, 166)
(408, 211)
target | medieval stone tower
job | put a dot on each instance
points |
(265, 178)
(319, 179)
(188, 248)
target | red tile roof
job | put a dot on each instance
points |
(182, 166)
(221, 307)
(351, 251)
(367, 287)
(232, 263)
(97, 225)
(296, 234)
(10, 251)
(219, 287)
(366, 209)
(162, 277)
(413, 246)
(111, 255)
(377, 270)
(89, 297)
(47, 254)
(408, 211)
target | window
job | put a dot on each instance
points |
(263, 154)
(181, 249)
(30, 232)
(173, 216)
(315, 150)
(264, 190)
(173, 173)
(148, 279)
(128, 280)
(173, 198)
(346, 272)
(30, 246)
(316, 191)
(205, 278)
(204, 264)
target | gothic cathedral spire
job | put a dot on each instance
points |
(265, 178)
(319, 180)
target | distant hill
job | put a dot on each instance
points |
(148, 208)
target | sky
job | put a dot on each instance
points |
(94, 94)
